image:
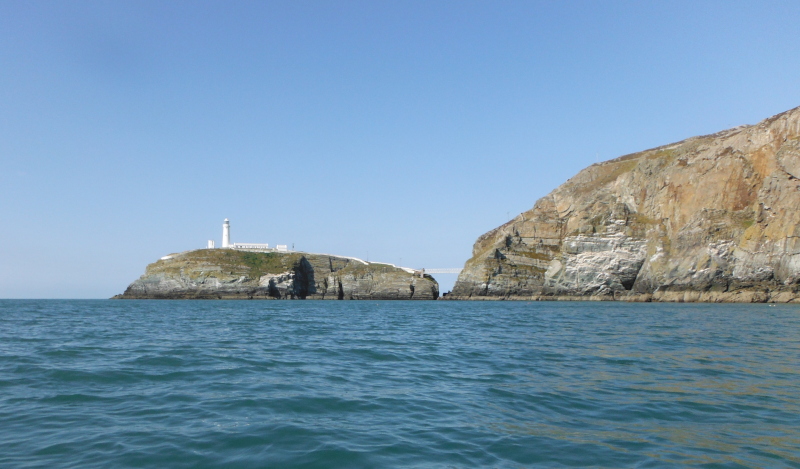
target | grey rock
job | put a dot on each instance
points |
(712, 218)
(235, 274)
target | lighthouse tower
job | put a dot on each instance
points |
(226, 234)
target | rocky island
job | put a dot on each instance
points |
(713, 218)
(243, 274)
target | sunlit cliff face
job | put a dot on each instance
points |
(711, 218)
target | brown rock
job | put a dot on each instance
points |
(712, 218)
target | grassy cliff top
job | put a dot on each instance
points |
(226, 261)
(235, 263)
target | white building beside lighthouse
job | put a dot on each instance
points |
(227, 244)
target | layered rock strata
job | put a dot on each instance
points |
(234, 274)
(712, 218)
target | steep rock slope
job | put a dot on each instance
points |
(233, 274)
(711, 218)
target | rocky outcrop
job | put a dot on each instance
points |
(712, 218)
(235, 274)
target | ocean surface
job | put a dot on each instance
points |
(100, 384)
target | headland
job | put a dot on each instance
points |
(714, 218)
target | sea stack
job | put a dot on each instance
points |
(713, 218)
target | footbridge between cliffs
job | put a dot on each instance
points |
(454, 270)
(422, 272)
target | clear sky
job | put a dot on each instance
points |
(397, 131)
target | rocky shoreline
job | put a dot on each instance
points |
(657, 297)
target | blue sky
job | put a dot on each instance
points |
(394, 131)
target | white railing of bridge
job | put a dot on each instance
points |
(444, 271)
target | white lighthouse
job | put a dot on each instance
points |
(226, 234)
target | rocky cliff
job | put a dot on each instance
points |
(712, 218)
(234, 274)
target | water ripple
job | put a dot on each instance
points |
(90, 384)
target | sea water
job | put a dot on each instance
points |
(350, 384)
